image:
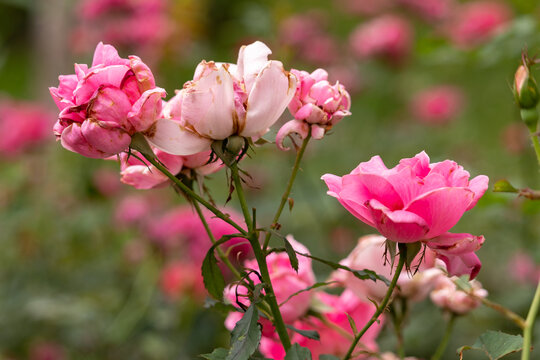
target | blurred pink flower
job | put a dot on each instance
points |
(523, 269)
(476, 22)
(132, 210)
(106, 182)
(366, 7)
(223, 99)
(181, 278)
(437, 105)
(316, 106)
(515, 138)
(370, 254)
(430, 10)
(23, 124)
(415, 201)
(446, 295)
(388, 37)
(47, 351)
(285, 280)
(101, 107)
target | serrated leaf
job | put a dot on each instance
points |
(310, 334)
(212, 277)
(292, 254)
(217, 354)
(495, 344)
(328, 357)
(504, 186)
(245, 336)
(297, 352)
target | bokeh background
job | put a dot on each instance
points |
(83, 274)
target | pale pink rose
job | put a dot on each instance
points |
(23, 124)
(181, 230)
(101, 107)
(285, 280)
(316, 106)
(446, 295)
(242, 99)
(415, 202)
(180, 278)
(388, 37)
(430, 10)
(437, 105)
(366, 7)
(477, 22)
(370, 254)
(523, 269)
(335, 332)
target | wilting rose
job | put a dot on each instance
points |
(415, 202)
(285, 280)
(446, 295)
(437, 105)
(223, 99)
(370, 254)
(101, 107)
(316, 105)
(388, 37)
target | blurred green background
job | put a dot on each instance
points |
(77, 284)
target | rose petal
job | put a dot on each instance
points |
(251, 60)
(173, 138)
(291, 127)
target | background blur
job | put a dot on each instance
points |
(82, 277)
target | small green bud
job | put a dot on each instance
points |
(525, 88)
(530, 118)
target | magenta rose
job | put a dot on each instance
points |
(101, 107)
(415, 202)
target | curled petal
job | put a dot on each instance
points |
(110, 107)
(143, 177)
(173, 138)
(108, 141)
(143, 73)
(456, 244)
(317, 132)
(108, 76)
(291, 127)
(146, 110)
(478, 185)
(464, 264)
(251, 60)
(73, 140)
(271, 93)
(107, 55)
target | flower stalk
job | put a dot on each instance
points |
(529, 325)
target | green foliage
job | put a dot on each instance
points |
(212, 276)
(495, 344)
(246, 335)
(297, 352)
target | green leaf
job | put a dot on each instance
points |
(495, 344)
(310, 334)
(212, 276)
(245, 336)
(504, 186)
(365, 274)
(297, 352)
(291, 253)
(328, 357)
(217, 354)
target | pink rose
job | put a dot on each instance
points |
(101, 107)
(446, 295)
(476, 22)
(23, 124)
(370, 254)
(437, 105)
(285, 280)
(415, 201)
(316, 104)
(226, 99)
(388, 37)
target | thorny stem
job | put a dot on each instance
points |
(529, 324)
(285, 196)
(261, 261)
(384, 303)
(220, 252)
(444, 341)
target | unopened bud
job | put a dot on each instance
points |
(525, 89)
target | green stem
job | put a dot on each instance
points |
(536, 145)
(285, 196)
(509, 314)
(444, 341)
(529, 324)
(397, 320)
(261, 261)
(384, 303)
(193, 195)
(220, 252)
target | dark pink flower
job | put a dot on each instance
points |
(388, 37)
(437, 105)
(101, 107)
(415, 201)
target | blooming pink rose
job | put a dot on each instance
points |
(370, 254)
(446, 295)
(415, 201)
(23, 124)
(476, 22)
(182, 278)
(437, 105)
(388, 37)
(285, 280)
(101, 107)
(333, 330)
(225, 100)
(316, 104)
